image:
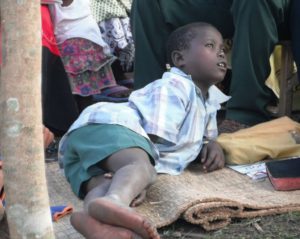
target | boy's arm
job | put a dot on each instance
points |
(212, 156)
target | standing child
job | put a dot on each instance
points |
(112, 152)
(85, 55)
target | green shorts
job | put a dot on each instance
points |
(89, 145)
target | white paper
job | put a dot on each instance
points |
(255, 171)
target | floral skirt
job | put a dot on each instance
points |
(116, 32)
(88, 68)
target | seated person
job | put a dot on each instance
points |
(112, 152)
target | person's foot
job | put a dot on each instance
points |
(115, 93)
(109, 212)
(93, 229)
(230, 126)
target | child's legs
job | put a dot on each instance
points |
(115, 149)
(133, 172)
(96, 187)
(93, 229)
(88, 147)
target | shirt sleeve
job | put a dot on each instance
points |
(163, 108)
(211, 130)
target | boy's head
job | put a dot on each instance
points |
(198, 50)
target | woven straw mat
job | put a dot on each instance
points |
(207, 200)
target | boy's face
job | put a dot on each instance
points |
(205, 60)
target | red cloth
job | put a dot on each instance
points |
(48, 38)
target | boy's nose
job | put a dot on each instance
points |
(221, 54)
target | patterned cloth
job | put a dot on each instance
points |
(87, 66)
(116, 32)
(106, 9)
(172, 109)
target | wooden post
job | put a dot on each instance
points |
(21, 140)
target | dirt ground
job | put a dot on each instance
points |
(284, 226)
(279, 226)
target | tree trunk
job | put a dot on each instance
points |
(21, 140)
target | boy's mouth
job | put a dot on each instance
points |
(222, 65)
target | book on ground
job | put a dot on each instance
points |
(284, 174)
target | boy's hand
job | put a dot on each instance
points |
(212, 156)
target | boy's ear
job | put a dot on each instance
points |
(178, 58)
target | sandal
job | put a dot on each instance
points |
(113, 94)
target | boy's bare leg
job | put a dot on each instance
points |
(133, 172)
(95, 188)
(98, 187)
(93, 229)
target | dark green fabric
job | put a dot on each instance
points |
(254, 26)
(89, 145)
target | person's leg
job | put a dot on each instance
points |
(256, 33)
(130, 167)
(132, 173)
(59, 106)
(93, 229)
(83, 102)
(154, 20)
(295, 32)
(98, 186)
(88, 164)
(149, 33)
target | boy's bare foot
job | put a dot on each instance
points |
(93, 229)
(108, 211)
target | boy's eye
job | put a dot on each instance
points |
(210, 45)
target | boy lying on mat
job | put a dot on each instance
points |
(113, 151)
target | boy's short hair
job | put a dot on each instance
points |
(181, 38)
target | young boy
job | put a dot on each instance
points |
(112, 152)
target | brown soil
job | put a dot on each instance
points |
(279, 226)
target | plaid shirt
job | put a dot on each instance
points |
(171, 108)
